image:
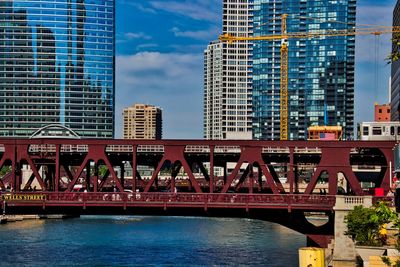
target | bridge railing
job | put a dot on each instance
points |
(349, 202)
(167, 198)
(195, 198)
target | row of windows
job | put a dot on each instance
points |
(41, 3)
(57, 28)
(100, 23)
(237, 18)
(26, 42)
(379, 131)
(88, 42)
(56, 15)
(21, 59)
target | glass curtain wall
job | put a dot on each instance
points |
(57, 66)
(321, 70)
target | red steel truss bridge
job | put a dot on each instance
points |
(278, 181)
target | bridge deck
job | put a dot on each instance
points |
(171, 200)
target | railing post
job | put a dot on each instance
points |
(57, 178)
(289, 202)
(291, 173)
(212, 169)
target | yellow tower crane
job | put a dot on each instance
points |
(284, 37)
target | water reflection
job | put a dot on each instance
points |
(118, 240)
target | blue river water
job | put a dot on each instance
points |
(148, 241)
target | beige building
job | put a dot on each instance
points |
(142, 122)
(228, 75)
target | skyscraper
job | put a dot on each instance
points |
(142, 122)
(321, 70)
(213, 91)
(57, 66)
(395, 76)
(227, 77)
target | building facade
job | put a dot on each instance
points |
(320, 70)
(395, 73)
(213, 91)
(227, 77)
(142, 122)
(382, 112)
(57, 66)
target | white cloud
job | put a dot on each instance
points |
(136, 35)
(172, 81)
(129, 36)
(138, 6)
(146, 46)
(208, 35)
(195, 9)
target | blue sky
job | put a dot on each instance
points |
(159, 59)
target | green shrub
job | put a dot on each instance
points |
(364, 224)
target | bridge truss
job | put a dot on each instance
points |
(58, 165)
(216, 177)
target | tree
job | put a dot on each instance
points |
(361, 227)
(365, 225)
(395, 54)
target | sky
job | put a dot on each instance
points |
(159, 59)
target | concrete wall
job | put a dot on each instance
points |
(344, 252)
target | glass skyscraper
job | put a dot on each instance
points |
(395, 75)
(57, 66)
(321, 70)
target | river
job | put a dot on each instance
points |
(148, 241)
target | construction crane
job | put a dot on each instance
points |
(284, 37)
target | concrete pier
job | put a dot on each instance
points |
(344, 252)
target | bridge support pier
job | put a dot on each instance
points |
(321, 241)
(344, 252)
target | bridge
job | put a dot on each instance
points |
(278, 181)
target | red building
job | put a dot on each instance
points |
(382, 112)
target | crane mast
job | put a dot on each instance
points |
(284, 118)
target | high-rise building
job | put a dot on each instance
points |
(395, 76)
(142, 122)
(227, 77)
(321, 70)
(57, 66)
(213, 91)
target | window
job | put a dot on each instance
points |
(391, 130)
(376, 131)
(365, 130)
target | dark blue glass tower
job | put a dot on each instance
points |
(395, 75)
(321, 70)
(57, 66)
